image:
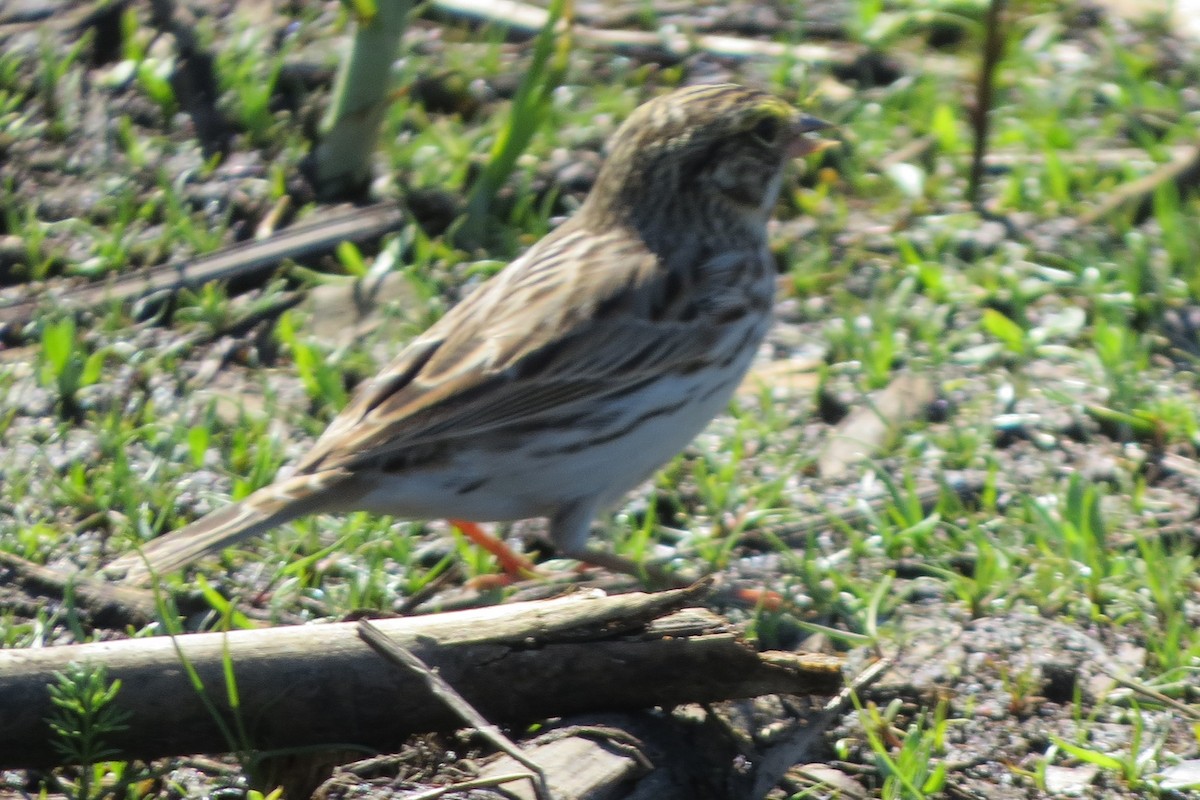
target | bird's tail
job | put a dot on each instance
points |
(263, 510)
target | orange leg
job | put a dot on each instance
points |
(514, 564)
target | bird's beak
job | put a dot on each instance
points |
(803, 144)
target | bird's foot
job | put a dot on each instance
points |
(515, 566)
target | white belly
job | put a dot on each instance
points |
(542, 471)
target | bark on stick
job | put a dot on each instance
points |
(322, 685)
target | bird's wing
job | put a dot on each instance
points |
(542, 336)
(529, 345)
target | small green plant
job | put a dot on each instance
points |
(1074, 533)
(250, 79)
(906, 527)
(529, 109)
(274, 794)
(1131, 765)
(1178, 236)
(253, 454)
(1167, 575)
(907, 759)
(153, 75)
(351, 259)
(134, 147)
(55, 75)
(1125, 356)
(40, 260)
(208, 305)
(990, 579)
(321, 379)
(66, 367)
(84, 718)
(231, 726)
(1009, 333)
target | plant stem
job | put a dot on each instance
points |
(342, 161)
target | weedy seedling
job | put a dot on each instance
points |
(66, 366)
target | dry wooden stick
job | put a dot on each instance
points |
(444, 692)
(239, 260)
(778, 759)
(475, 783)
(105, 604)
(1191, 712)
(108, 605)
(1183, 170)
(320, 685)
(581, 761)
(993, 50)
(671, 46)
(529, 19)
(1109, 157)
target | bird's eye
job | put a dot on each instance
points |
(766, 130)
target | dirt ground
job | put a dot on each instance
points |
(1002, 683)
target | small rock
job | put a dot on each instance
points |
(1182, 776)
(1070, 780)
(826, 777)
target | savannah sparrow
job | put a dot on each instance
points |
(569, 377)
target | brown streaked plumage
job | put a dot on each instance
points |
(578, 370)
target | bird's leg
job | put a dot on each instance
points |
(569, 531)
(514, 564)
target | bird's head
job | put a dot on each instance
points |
(702, 153)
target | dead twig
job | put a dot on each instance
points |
(798, 747)
(307, 686)
(446, 694)
(1183, 171)
(662, 45)
(237, 261)
(474, 783)
(863, 680)
(1191, 712)
(993, 51)
(108, 605)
